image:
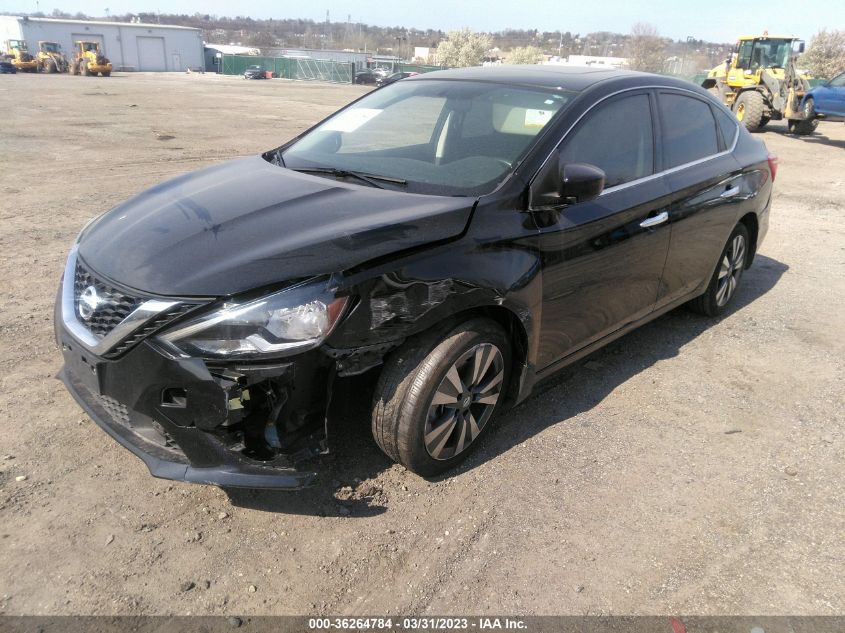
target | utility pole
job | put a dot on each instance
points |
(690, 39)
(328, 35)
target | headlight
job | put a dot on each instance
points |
(286, 322)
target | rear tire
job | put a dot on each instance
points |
(749, 107)
(106, 74)
(725, 279)
(437, 395)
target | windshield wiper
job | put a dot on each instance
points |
(370, 179)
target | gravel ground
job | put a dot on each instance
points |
(694, 466)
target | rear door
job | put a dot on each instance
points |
(602, 259)
(706, 185)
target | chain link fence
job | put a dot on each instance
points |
(292, 68)
(306, 69)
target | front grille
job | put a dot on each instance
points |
(148, 328)
(112, 306)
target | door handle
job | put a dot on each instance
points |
(730, 193)
(660, 218)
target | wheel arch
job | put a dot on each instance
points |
(518, 336)
(515, 330)
(752, 225)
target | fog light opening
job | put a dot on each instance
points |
(175, 397)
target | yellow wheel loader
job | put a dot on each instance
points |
(760, 83)
(17, 53)
(50, 58)
(89, 60)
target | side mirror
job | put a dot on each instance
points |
(580, 182)
(800, 48)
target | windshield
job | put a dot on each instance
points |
(441, 137)
(50, 47)
(764, 53)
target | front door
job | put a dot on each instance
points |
(603, 259)
(830, 98)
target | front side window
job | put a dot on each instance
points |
(689, 130)
(616, 137)
(838, 82)
(743, 55)
(439, 136)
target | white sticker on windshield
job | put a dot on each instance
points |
(537, 118)
(350, 120)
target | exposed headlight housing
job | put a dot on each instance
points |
(279, 324)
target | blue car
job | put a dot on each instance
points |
(826, 102)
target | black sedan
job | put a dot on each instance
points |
(367, 77)
(457, 237)
(255, 72)
(385, 80)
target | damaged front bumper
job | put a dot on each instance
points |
(250, 426)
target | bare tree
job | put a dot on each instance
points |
(646, 49)
(463, 48)
(825, 56)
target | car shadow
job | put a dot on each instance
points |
(818, 138)
(347, 487)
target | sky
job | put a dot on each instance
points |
(712, 20)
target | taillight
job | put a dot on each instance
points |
(773, 165)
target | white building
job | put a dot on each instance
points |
(129, 46)
(589, 61)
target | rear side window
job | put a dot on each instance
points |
(689, 130)
(727, 127)
(616, 137)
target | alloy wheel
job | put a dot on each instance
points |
(730, 270)
(464, 401)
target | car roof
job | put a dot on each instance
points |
(543, 75)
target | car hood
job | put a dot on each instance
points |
(248, 223)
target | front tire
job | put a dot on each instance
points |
(725, 280)
(809, 109)
(437, 396)
(807, 125)
(749, 108)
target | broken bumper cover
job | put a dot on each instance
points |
(124, 397)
